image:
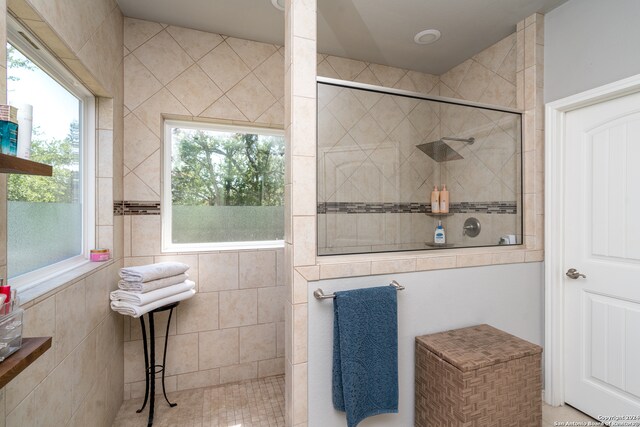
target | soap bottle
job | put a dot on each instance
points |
(444, 200)
(435, 200)
(439, 237)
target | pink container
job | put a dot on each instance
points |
(98, 255)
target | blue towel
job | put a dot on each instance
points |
(365, 353)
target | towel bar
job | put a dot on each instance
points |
(320, 295)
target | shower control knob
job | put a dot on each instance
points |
(471, 227)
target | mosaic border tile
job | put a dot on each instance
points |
(503, 207)
(118, 208)
(130, 207)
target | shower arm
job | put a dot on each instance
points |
(467, 140)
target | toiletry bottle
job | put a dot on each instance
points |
(439, 237)
(5, 290)
(444, 200)
(435, 200)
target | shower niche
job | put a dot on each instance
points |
(382, 151)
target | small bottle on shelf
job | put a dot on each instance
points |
(444, 200)
(439, 236)
(435, 200)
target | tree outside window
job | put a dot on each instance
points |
(226, 185)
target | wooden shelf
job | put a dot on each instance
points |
(439, 214)
(13, 164)
(31, 350)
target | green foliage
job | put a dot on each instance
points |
(15, 59)
(63, 156)
(220, 170)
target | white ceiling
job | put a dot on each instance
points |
(379, 31)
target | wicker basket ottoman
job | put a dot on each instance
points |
(478, 376)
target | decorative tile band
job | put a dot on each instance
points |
(458, 207)
(118, 208)
(128, 207)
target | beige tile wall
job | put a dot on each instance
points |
(300, 178)
(367, 149)
(530, 78)
(233, 328)
(487, 78)
(79, 381)
(491, 168)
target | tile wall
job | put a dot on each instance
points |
(300, 195)
(485, 81)
(245, 82)
(367, 150)
(233, 328)
(79, 381)
(530, 83)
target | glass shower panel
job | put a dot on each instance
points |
(381, 154)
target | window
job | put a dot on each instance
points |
(223, 187)
(47, 217)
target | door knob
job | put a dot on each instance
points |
(572, 273)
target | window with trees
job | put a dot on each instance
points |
(223, 186)
(46, 216)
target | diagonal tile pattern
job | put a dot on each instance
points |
(164, 57)
(194, 89)
(195, 43)
(367, 141)
(251, 97)
(207, 77)
(224, 66)
(488, 77)
(188, 73)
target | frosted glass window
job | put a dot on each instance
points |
(226, 184)
(44, 214)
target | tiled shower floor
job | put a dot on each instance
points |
(254, 403)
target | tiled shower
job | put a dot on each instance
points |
(374, 181)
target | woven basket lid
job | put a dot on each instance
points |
(477, 346)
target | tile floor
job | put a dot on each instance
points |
(253, 403)
(564, 415)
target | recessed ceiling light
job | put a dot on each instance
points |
(424, 37)
(278, 4)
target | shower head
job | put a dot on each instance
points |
(440, 151)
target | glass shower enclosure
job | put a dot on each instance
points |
(382, 151)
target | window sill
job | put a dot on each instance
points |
(221, 247)
(30, 287)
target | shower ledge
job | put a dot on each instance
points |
(343, 266)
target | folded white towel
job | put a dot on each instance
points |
(133, 310)
(149, 297)
(147, 273)
(142, 287)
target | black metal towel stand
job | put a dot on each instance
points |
(153, 369)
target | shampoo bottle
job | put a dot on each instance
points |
(435, 200)
(439, 237)
(444, 200)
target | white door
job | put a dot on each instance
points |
(602, 241)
